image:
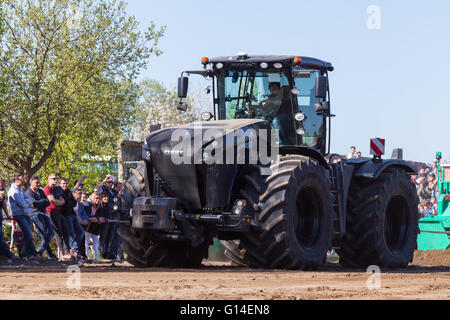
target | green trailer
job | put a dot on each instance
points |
(435, 230)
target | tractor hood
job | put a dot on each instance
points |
(177, 156)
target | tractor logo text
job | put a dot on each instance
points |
(214, 146)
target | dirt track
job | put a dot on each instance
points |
(427, 278)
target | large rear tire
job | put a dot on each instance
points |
(382, 222)
(294, 209)
(139, 245)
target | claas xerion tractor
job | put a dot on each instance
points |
(284, 205)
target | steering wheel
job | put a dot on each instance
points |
(241, 113)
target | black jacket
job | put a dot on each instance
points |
(41, 201)
(111, 194)
(70, 202)
(92, 227)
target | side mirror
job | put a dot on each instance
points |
(321, 87)
(182, 106)
(183, 83)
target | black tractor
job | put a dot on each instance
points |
(257, 173)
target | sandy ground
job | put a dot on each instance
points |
(428, 277)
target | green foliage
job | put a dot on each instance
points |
(2, 82)
(69, 67)
(157, 105)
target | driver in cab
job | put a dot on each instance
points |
(270, 109)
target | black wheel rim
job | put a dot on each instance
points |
(396, 224)
(309, 218)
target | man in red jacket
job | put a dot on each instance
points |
(54, 210)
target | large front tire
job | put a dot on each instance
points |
(382, 222)
(294, 210)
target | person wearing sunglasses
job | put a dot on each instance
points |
(59, 222)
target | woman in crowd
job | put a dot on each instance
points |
(96, 215)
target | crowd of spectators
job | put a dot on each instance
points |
(427, 190)
(71, 217)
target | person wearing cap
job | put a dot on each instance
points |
(40, 218)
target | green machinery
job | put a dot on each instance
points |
(435, 230)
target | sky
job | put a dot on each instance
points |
(391, 59)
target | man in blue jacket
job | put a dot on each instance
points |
(20, 204)
(40, 218)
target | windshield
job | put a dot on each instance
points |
(245, 93)
(267, 95)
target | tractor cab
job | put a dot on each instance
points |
(289, 92)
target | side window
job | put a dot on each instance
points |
(306, 98)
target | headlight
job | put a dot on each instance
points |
(219, 65)
(115, 207)
(299, 116)
(300, 131)
(278, 65)
(238, 207)
(116, 199)
(264, 65)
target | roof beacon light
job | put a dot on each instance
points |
(297, 59)
(242, 55)
(205, 60)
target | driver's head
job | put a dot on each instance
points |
(274, 87)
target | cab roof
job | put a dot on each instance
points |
(284, 59)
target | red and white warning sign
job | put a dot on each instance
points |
(377, 146)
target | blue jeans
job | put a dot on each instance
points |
(44, 225)
(282, 122)
(76, 232)
(25, 224)
(106, 235)
(115, 243)
(4, 249)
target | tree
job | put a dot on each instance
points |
(2, 82)
(69, 67)
(157, 105)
